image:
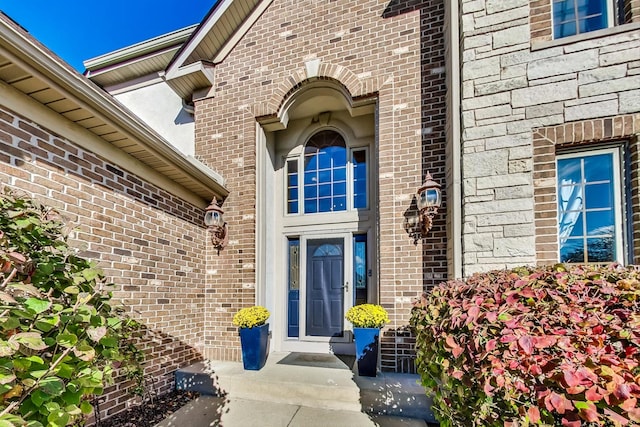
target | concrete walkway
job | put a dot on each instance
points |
(299, 389)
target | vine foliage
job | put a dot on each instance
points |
(60, 339)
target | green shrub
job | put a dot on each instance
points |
(59, 337)
(556, 346)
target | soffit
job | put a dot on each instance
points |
(142, 59)
(32, 69)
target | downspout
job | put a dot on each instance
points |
(453, 155)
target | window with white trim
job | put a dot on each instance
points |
(571, 17)
(590, 214)
(329, 176)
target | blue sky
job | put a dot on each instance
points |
(79, 30)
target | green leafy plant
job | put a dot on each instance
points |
(367, 316)
(555, 346)
(250, 317)
(60, 339)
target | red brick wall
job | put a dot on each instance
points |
(150, 243)
(392, 49)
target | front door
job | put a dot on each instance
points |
(325, 286)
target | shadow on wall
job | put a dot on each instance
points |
(164, 354)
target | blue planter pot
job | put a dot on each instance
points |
(254, 346)
(367, 350)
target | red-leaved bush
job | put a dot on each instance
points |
(555, 346)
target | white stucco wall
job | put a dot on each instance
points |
(162, 109)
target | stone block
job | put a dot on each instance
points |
(501, 17)
(491, 112)
(478, 242)
(503, 85)
(514, 246)
(511, 71)
(499, 206)
(524, 152)
(526, 56)
(592, 110)
(504, 180)
(602, 74)
(544, 93)
(544, 110)
(505, 218)
(472, 6)
(485, 131)
(630, 101)
(520, 165)
(518, 230)
(472, 42)
(507, 141)
(598, 98)
(485, 163)
(515, 192)
(511, 36)
(620, 57)
(486, 101)
(610, 86)
(522, 126)
(481, 68)
(495, 6)
(602, 42)
(563, 64)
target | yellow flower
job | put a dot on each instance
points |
(251, 316)
(367, 316)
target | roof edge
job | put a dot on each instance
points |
(42, 61)
(145, 47)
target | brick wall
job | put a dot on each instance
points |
(508, 90)
(149, 243)
(371, 48)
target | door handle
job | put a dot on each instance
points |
(346, 286)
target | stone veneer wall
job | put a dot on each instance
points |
(392, 49)
(510, 89)
(149, 243)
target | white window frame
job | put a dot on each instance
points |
(611, 13)
(619, 234)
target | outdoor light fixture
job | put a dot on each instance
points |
(214, 220)
(428, 199)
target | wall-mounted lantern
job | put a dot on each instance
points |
(214, 220)
(428, 199)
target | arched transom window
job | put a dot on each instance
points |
(328, 177)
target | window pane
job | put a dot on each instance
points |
(340, 174)
(600, 250)
(324, 160)
(324, 205)
(324, 175)
(599, 196)
(571, 17)
(569, 171)
(600, 222)
(292, 186)
(572, 250)
(598, 168)
(564, 11)
(324, 190)
(571, 224)
(340, 189)
(293, 306)
(310, 177)
(339, 203)
(360, 179)
(310, 206)
(310, 191)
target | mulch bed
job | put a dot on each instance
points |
(149, 413)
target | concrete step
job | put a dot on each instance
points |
(310, 380)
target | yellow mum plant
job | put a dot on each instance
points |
(367, 316)
(251, 316)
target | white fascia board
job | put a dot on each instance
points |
(197, 38)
